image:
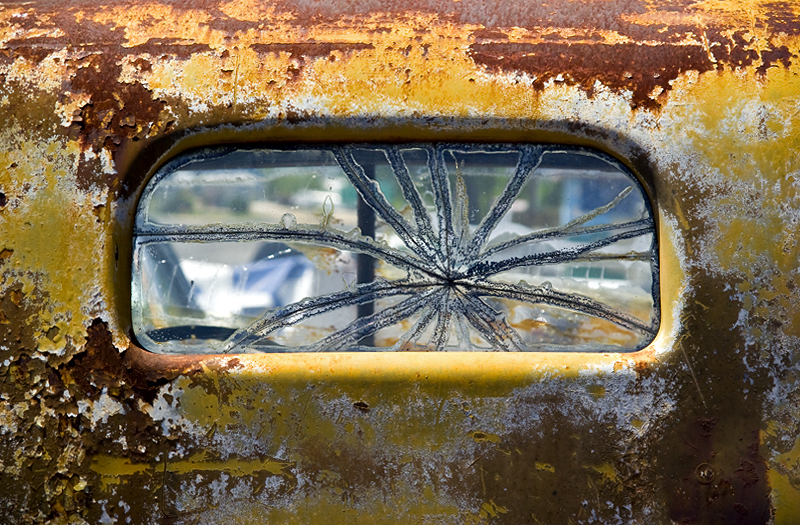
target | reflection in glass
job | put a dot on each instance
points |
(418, 247)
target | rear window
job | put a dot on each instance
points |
(419, 247)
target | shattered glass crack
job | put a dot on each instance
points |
(450, 289)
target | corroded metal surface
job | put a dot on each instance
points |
(698, 98)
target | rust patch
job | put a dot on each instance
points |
(172, 47)
(748, 472)
(34, 49)
(775, 56)
(101, 212)
(487, 34)
(20, 311)
(584, 14)
(74, 35)
(47, 453)
(115, 113)
(313, 50)
(737, 50)
(633, 67)
(301, 52)
(101, 364)
(780, 17)
(645, 70)
(146, 368)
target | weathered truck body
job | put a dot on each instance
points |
(698, 99)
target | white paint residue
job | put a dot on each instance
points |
(105, 519)
(164, 411)
(167, 412)
(101, 409)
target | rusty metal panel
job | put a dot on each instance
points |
(698, 98)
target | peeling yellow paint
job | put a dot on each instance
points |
(739, 12)
(113, 470)
(597, 391)
(234, 467)
(48, 242)
(142, 22)
(607, 471)
(481, 437)
(253, 11)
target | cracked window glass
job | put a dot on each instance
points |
(437, 247)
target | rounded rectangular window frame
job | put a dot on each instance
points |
(241, 340)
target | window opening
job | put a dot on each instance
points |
(502, 247)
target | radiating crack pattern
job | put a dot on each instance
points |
(450, 289)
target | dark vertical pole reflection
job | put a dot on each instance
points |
(366, 263)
